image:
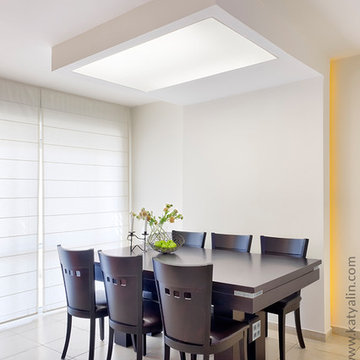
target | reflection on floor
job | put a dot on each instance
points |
(42, 338)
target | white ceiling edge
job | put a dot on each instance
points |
(236, 82)
(284, 69)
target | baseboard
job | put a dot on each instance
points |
(310, 334)
(345, 332)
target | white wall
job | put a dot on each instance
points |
(252, 164)
(156, 157)
(345, 195)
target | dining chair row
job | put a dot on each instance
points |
(184, 313)
(240, 243)
(130, 313)
(122, 299)
(270, 246)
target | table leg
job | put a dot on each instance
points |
(256, 349)
(122, 339)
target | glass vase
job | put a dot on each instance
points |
(158, 233)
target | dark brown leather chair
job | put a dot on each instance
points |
(240, 243)
(192, 239)
(184, 293)
(294, 248)
(128, 312)
(83, 301)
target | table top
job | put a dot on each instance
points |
(244, 272)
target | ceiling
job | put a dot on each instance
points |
(29, 29)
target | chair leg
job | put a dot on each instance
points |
(144, 344)
(68, 333)
(281, 332)
(101, 323)
(133, 340)
(182, 355)
(298, 328)
(166, 352)
(139, 347)
(92, 338)
(266, 324)
(111, 343)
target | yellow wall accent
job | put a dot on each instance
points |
(333, 171)
(344, 143)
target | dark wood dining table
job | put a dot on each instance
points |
(243, 284)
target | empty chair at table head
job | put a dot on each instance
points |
(296, 247)
(292, 247)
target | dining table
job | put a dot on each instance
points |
(244, 284)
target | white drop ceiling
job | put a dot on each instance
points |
(29, 30)
(194, 52)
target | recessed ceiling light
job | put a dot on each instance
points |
(196, 51)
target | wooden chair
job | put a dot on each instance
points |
(184, 293)
(83, 301)
(294, 248)
(192, 239)
(128, 312)
(240, 243)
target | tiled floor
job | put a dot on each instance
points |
(42, 338)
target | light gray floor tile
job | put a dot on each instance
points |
(44, 334)
(312, 354)
(38, 353)
(42, 338)
(79, 343)
(14, 344)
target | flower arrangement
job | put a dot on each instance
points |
(167, 216)
(159, 239)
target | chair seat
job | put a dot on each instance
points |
(287, 302)
(222, 328)
(152, 316)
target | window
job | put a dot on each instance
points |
(63, 180)
(19, 121)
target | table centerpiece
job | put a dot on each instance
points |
(159, 239)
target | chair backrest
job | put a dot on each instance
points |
(185, 301)
(77, 268)
(123, 287)
(192, 239)
(240, 243)
(284, 246)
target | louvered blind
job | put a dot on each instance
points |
(19, 120)
(85, 153)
